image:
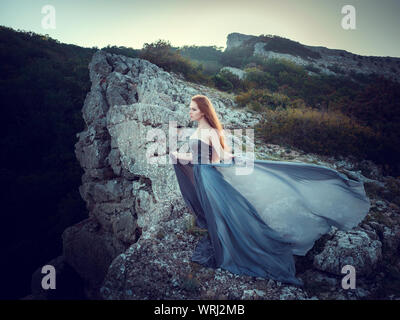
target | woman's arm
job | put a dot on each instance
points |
(182, 155)
(214, 141)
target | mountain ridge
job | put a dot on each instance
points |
(325, 60)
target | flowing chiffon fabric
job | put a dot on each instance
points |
(257, 221)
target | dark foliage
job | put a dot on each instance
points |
(42, 89)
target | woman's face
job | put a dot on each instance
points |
(195, 113)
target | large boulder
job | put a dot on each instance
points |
(357, 248)
(126, 195)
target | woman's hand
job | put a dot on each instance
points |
(173, 155)
(182, 156)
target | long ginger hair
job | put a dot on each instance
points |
(207, 108)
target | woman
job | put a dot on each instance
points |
(257, 221)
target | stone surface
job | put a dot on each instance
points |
(357, 248)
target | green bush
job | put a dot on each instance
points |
(256, 78)
(276, 65)
(328, 133)
(161, 54)
(209, 67)
(236, 57)
(335, 68)
(222, 83)
(311, 68)
(259, 99)
(228, 81)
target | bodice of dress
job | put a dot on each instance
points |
(201, 151)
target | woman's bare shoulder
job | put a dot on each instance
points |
(213, 137)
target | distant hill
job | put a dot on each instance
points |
(324, 60)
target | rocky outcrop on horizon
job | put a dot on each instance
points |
(318, 58)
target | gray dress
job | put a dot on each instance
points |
(259, 218)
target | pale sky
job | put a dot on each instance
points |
(132, 23)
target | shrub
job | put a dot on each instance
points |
(229, 77)
(236, 57)
(256, 78)
(222, 83)
(260, 99)
(161, 54)
(335, 68)
(328, 133)
(276, 65)
(311, 68)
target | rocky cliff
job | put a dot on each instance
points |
(318, 59)
(138, 238)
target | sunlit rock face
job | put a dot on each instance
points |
(128, 197)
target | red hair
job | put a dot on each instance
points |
(205, 106)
